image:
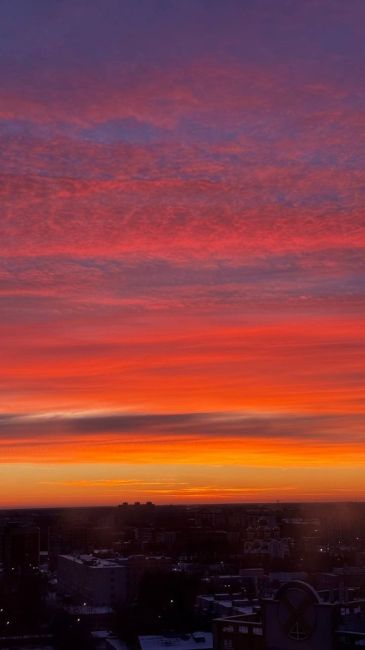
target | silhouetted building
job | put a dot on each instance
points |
(105, 581)
(20, 548)
(296, 618)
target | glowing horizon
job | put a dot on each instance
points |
(182, 251)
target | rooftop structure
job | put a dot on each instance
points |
(296, 618)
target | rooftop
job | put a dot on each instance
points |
(94, 562)
(203, 640)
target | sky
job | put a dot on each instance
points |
(182, 235)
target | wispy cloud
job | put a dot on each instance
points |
(183, 438)
(220, 424)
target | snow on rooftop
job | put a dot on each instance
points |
(202, 640)
(95, 562)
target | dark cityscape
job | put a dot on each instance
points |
(142, 576)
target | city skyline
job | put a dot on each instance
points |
(182, 251)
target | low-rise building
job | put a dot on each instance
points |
(295, 618)
(95, 581)
(98, 580)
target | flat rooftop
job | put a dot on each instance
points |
(96, 562)
(202, 640)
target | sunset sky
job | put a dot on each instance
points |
(182, 238)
